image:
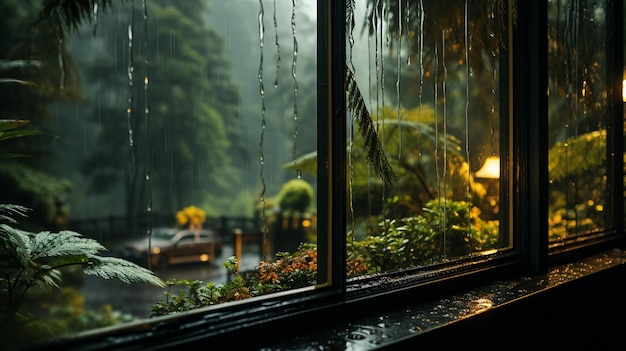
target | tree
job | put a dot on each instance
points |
(35, 70)
(183, 141)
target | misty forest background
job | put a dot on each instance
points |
(198, 143)
(201, 140)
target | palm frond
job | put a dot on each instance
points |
(64, 243)
(128, 272)
(375, 152)
(16, 81)
(9, 129)
(64, 14)
(350, 4)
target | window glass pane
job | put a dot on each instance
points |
(431, 76)
(579, 113)
(169, 133)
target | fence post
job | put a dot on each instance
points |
(238, 246)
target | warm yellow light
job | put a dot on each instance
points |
(204, 257)
(624, 90)
(491, 168)
(306, 223)
(156, 250)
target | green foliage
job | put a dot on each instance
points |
(375, 152)
(191, 126)
(30, 260)
(34, 189)
(11, 128)
(445, 230)
(34, 262)
(72, 317)
(577, 199)
(583, 156)
(68, 15)
(289, 271)
(194, 294)
(296, 195)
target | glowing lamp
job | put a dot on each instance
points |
(490, 169)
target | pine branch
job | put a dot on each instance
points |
(375, 152)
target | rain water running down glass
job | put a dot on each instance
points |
(439, 207)
(155, 118)
(579, 105)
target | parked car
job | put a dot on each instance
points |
(171, 246)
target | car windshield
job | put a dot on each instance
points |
(163, 233)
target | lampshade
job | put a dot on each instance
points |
(490, 169)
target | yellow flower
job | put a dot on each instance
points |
(181, 218)
(190, 215)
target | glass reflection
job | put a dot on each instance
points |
(429, 74)
(578, 119)
(148, 119)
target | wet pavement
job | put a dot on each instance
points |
(136, 299)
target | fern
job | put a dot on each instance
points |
(8, 211)
(16, 242)
(64, 243)
(127, 272)
(29, 259)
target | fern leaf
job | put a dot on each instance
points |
(64, 243)
(50, 276)
(8, 211)
(16, 243)
(375, 153)
(128, 272)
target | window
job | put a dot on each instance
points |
(428, 74)
(580, 121)
(255, 164)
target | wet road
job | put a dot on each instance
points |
(136, 299)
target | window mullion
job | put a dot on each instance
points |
(531, 125)
(331, 141)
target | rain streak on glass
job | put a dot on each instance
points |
(445, 138)
(436, 98)
(263, 125)
(277, 47)
(467, 105)
(94, 18)
(146, 111)
(350, 29)
(399, 68)
(421, 68)
(61, 64)
(129, 109)
(381, 39)
(295, 80)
